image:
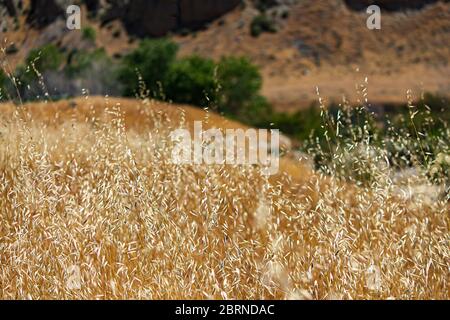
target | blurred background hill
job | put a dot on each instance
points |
(297, 45)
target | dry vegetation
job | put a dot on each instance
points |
(87, 183)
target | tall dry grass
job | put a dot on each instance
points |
(89, 185)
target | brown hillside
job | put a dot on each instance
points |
(318, 43)
(327, 44)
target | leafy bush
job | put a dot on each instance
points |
(354, 144)
(40, 60)
(91, 71)
(262, 23)
(257, 112)
(232, 85)
(415, 133)
(48, 57)
(299, 125)
(3, 80)
(88, 33)
(439, 170)
(80, 61)
(151, 60)
(191, 80)
(348, 144)
(435, 102)
(239, 81)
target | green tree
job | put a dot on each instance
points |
(151, 60)
(257, 112)
(40, 60)
(3, 79)
(240, 83)
(45, 58)
(88, 33)
(191, 80)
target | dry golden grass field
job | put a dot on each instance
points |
(86, 185)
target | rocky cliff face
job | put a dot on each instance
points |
(157, 17)
(10, 6)
(44, 12)
(140, 17)
(145, 17)
(194, 13)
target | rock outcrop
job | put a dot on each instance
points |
(150, 17)
(195, 13)
(143, 18)
(157, 17)
(44, 12)
(11, 6)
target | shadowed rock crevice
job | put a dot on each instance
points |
(44, 12)
(158, 17)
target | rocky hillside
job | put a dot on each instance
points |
(326, 44)
(140, 17)
(311, 43)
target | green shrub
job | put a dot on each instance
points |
(257, 112)
(301, 124)
(151, 60)
(418, 132)
(348, 145)
(352, 143)
(232, 85)
(45, 58)
(38, 61)
(88, 33)
(239, 81)
(191, 80)
(262, 23)
(3, 80)
(80, 61)
(436, 104)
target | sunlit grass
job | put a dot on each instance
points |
(89, 184)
